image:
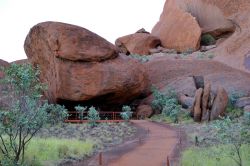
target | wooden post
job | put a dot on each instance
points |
(100, 158)
(168, 163)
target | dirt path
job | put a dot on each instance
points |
(151, 150)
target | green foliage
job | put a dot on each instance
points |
(26, 112)
(126, 113)
(207, 40)
(188, 51)
(53, 149)
(167, 104)
(247, 118)
(231, 110)
(80, 110)
(234, 96)
(93, 116)
(227, 132)
(141, 58)
(213, 156)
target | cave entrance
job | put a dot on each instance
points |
(107, 112)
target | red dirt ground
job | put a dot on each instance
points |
(151, 149)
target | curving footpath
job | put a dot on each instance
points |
(153, 150)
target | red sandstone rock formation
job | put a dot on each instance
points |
(138, 43)
(78, 65)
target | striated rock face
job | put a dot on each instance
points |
(138, 43)
(177, 29)
(79, 65)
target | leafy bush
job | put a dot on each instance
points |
(126, 113)
(207, 40)
(234, 96)
(26, 112)
(247, 118)
(167, 104)
(80, 110)
(231, 110)
(93, 116)
(235, 134)
(141, 58)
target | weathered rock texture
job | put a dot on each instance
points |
(177, 29)
(226, 20)
(164, 72)
(138, 43)
(144, 111)
(79, 65)
(207, 107)
(197, 111)
(219, 104)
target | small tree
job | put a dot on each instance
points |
(25, 114)
(234, 134)
(126, 113)
(93, 116)
(80, 110)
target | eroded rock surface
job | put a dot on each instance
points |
(79, 65)
(137, 43)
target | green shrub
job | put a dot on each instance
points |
(167, 104)
(141, 58)
(188, 52)
(231, 110)
(247, 118)
(93, 116)
(207, 40)
(80, 110)
(126, 113)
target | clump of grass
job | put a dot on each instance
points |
(53, 149)
(213, 156)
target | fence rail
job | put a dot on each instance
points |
(106, 117)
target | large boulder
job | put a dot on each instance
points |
(210, 17)
(242, 102)
(197, 111)
(177, 29)
(220, 104)
(138, 43)
(224, 19)
(78, 65)
(205, 102)
(144, 111)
